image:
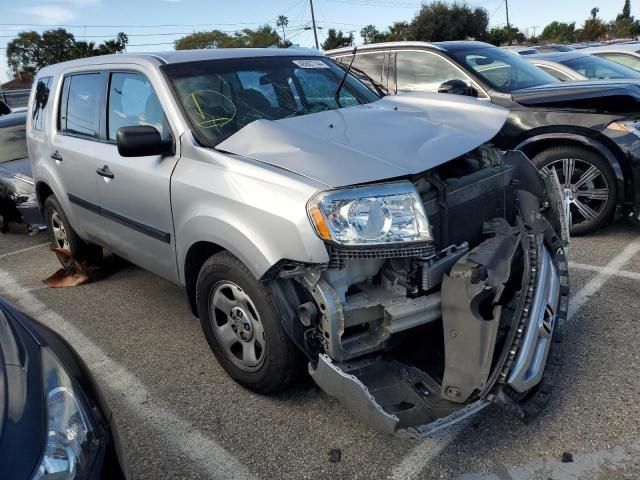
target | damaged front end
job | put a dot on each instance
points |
(413, 336)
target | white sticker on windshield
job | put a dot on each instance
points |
(311, 64)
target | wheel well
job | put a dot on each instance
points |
(42, 192)
(198, 254)
(534, 148)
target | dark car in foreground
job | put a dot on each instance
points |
(586, 131)
(54, 423)
(18, 201)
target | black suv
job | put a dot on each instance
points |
(588, 131)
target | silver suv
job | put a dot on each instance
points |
(417, 271)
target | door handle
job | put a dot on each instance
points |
(104, 172)
(57, 156)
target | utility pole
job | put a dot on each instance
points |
(313, 23)
(506, 5)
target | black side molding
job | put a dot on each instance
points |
(127, 222)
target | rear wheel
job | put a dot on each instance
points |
(587, 182)
(62, 235)
(242, 326)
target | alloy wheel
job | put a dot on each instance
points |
(237, 326)
(584, 186)
(59, 232)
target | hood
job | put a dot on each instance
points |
(555, 93)
(392, 137)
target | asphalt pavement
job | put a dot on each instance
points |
(180, 416)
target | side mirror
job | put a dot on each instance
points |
(141, 141)
(457, 87)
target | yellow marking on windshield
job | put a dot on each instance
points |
(193, 95)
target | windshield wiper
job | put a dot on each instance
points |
(380, 88)
(336, 95)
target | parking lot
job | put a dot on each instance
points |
(180, 416)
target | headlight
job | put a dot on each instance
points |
(71, 444)
(370, 215)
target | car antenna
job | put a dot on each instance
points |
(344, 77)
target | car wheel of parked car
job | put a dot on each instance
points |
(62, 235)
(242, 325)
(587, 181)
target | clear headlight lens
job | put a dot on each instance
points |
(370, 215)
(71, 446)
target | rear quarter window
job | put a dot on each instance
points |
(40, 111)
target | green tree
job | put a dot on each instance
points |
(23, 53)
(625, 25)
(399, 32)
(502, 36)
(82, 49)
(559, 32)
(439, 21)
(370, 34)
(282, 21)
(264, 36)
(336, 39)
(30, 51)
(593, 28)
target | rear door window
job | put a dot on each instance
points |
(132, 101)
(79, 114)
(423, 71)
(41, 104)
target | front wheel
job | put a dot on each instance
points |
(242, 326)
(587, 182)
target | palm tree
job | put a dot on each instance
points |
(282, 21)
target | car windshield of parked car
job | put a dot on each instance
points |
(503, 70)
(219, 97)
(600, 68)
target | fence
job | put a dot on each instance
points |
(15, 98)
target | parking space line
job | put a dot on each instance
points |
(596, 283)
(178, 433)
(17, 252)
(595, 268)
(419, 457)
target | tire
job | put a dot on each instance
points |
(591, 189)
(261, 357)
(62, 235)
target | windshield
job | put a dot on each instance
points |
(501, 69)
(600, 68)
(220, 97)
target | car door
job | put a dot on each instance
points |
(135, 191)
(423, 71)
(72, 152)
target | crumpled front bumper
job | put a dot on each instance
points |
(521, 379)
(517, 371)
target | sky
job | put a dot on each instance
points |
(153, 25)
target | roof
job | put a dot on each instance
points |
(445, 46)
(559, 56)
(182, 56)
(17, 84)
(616, 47)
